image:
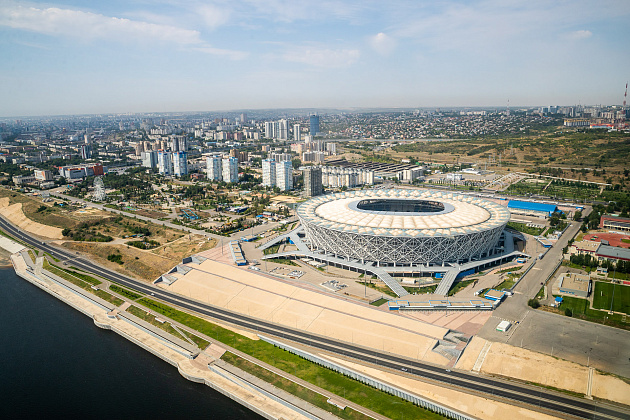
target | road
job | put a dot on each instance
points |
(572, 339)
(533, 397)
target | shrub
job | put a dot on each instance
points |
(117, 258)
(534, 303)
(66, 232)
(568, 312)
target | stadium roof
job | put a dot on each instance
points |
(532, 206)
(463, 214)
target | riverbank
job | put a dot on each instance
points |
(194, 367)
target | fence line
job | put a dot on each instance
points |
(375, 383)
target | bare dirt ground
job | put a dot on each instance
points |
(501, 359)
(142, 264)
(14, 213)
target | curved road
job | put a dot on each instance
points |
(535, 397)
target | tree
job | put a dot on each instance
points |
(577, 215)
(568, 312)
(534, 303)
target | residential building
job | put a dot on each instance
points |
(86, 151)
(284, 175)
(312, 181)
(269, 172)
(164, 163)
(213, 168)
(280, 157)
(180, 163)
(230, 170)
(297, 132)
(283, 130)
(149, 159)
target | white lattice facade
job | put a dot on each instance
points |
(403, 227)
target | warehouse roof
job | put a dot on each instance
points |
(533, 206)
(613, 252)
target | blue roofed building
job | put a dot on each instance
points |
(530, 208)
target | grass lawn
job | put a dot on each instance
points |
(70, 277)
(282, 261)
(124, 292)
(603, 294)
(142, 314)
(379, 302)
(508, 282)
(522, 227)
(271, 250)
(383, 289)
(459, 286)
(378, 401)
(619, 276)
(291, 387)
(580, 310)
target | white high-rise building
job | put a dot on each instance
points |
(268, 129)
(164, 163)
(269, 172)
(297, 132)
(213, 168)
(149, 159)
(230, 170)
(284, 175)
(283, 130)
(180, 163)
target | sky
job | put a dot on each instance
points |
(86, 57)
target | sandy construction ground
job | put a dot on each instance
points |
(515, 362)
(463, 321)
(250, 293)
(15, 214)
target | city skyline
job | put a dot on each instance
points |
(75, 57)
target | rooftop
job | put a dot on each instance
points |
(530, 205)
(614, 252)
(589, 246)
(575, 281)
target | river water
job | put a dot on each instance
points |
(55, 363)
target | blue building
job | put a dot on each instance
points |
(530, 208)
(314, 122)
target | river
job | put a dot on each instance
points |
(55, 363)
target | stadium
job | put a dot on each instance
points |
(398, 227)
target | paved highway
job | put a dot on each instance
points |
(534, 397)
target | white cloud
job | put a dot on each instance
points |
(214, 16)
(231, 54)
(383, 43)
(89, 26)
(322, 57)
(80, 24)
(581, 34)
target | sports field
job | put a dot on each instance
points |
(603, 294)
